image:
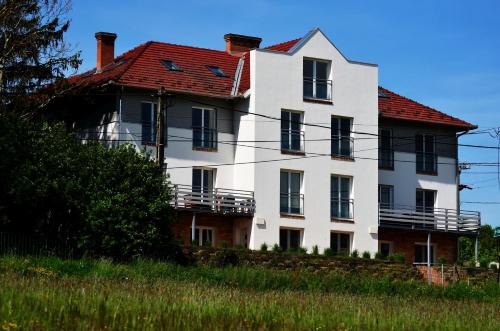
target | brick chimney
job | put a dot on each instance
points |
(236, 43)
(105, 49)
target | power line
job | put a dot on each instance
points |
(483, 202)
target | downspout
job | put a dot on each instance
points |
(120, 116)
(457, 181)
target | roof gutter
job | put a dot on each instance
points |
(237, 76)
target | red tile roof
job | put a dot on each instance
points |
(141, 67)
(397, 107)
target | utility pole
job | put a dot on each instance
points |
(160, 128)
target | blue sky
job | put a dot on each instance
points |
(445, 54)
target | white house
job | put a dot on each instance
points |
(292, 144)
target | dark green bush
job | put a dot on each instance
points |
(328, 252)
(379, 256)
(263, 247)
(302, 250)
(315, 250)
(355, 253)
(277, 248)
(397, 257)
(366, 255)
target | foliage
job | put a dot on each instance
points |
(33, 53)
(379, 256)
(442, 260)
(110, 202)
(302, 250)
(277, 248)
(328, 251)
(488, 246)
(263, 247)
(355, 253)
(366, 255)
(315, 250)
(397, 257)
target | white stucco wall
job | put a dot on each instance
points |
(276, 84)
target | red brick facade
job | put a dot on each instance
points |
(403, 241)
(225, 227)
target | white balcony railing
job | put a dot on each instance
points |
(433, 219)
(219, 200)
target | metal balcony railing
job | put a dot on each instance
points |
(342, 208)
(292, 140)
(342, 146)
(430, 219)
(320, 89)
(204, 137)
(219, 200)
(292, 203)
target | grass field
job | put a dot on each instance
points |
(53, 294)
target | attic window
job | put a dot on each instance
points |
(217, 71)
(171, 65)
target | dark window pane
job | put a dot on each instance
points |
(345, 127)
(196, 180)
(385, 249)
(344, 242)
(295, 140)
(321, 70)
(295, 182)
(429, 200)
(334, 243)
(321, 89)
(283, 239)
(147, 125)
(308, 68)
(420, 200)
(294, 239)
(419, 143)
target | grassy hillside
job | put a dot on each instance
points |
(49, 294)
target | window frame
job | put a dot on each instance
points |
(341, 137)
(391, 247)
(199, 233)
(289, 239)
(424, 207)
(391, 195)
(350, 200)
(289, 131)
(382, 165)
(153, 117)
(314, 79)
(289, 193)
(424, 245)
(204, 144)
(338, 250)
(211, 186)
(425, 154)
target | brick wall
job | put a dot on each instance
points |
(404, 242)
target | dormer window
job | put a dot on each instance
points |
(217, 71)
(171, 65)
(316, 82)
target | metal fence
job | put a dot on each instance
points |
(32, 244)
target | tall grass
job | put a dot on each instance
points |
(54, 294)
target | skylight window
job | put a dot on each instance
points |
(217, 71)
(171, 65)
(382, 94)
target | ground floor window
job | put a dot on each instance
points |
(421, 253)
(289, 239)
(385, 248)
(340, 243)
(203, 236)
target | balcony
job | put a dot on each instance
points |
(218, 201)
(433, 219)
(317, 89)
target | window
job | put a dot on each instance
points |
(291, 199)
(203, 236)
(289, 239)
(148, 122)
(340, 243)
(217, 71)
(171, 65)
(342, 142)
(426, 154)
(341, 204)
(316, 83)
(292, 138)
(385, 248)
(204, 123)
(425, 201)
(203, 180)
(421, 253)
(386, 196)
(385, 151)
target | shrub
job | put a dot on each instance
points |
(263, 247)
(442, 260)
(355, 253)
(277, 248)
(366, 255)
(315, 250)
(302, 250)
(397, 257)
(379, 256)
(223, 244)
(239, 247)
(328, 252)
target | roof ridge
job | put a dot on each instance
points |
(195, 47)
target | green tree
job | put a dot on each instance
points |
(488, 246)
(33, 54)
